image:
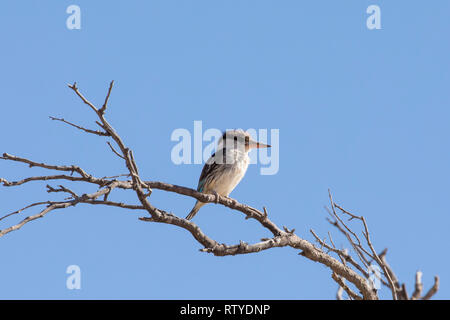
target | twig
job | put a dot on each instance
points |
(281, 237)
(433, 289)
(96, 132)
(27, 207)
(105, 104)
(114, 150)
(342, 284)
(62, 189)
(418, 286)
(374, 255)
(58, 205)
(72, 168)
(394, 278)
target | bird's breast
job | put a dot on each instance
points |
(233, 172)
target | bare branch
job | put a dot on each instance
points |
(75, 89)
(403, 293)
(114, 150)
(115, 204)
(59, 205)
(117, 176)
(51, 207)
(282, 237)
(71, 169)
(418, 287)
(27, 207)
(96, 132)
(105, 104)
(374, 255)
(62, 189)
(394, 278)
(7, 183)
(342, 284)
(433, 289)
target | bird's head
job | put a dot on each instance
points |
(239, 139)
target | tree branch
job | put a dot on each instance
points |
(96, 132)
(345, 270)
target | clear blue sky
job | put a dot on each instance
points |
(362, 112)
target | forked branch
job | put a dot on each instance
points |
(351, 276)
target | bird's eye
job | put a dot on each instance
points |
(247, 140)
(235, 138)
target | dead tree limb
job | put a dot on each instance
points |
(353, 277)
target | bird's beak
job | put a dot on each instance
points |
(257, 145)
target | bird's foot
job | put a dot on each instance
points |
(217, 197)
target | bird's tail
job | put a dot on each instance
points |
(194, 210)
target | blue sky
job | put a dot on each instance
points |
(362, 112)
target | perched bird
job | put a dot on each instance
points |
(227, 166)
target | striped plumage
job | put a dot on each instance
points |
(225, 168)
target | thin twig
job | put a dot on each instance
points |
(114, 150)
(341, 270)
(105, 104)
(24, 208)
(433, 289)
(342, 284)
(96, 132)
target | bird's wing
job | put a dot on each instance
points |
(210, 168)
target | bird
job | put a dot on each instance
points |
(227, 166)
